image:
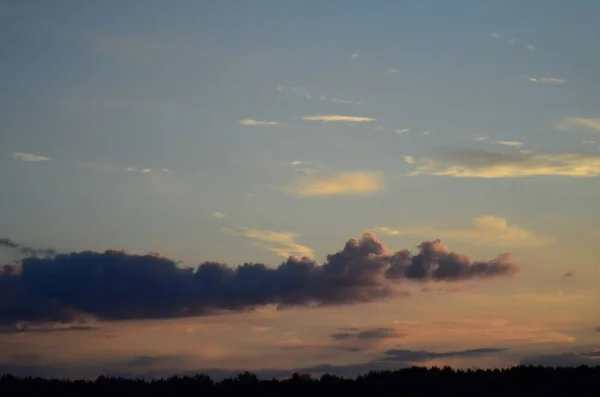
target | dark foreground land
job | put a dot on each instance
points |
(517, 381)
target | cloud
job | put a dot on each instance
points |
(117, 285)
(485, 230)
(547, 80)
(336, 117)
(26, 250)
(280, 243)
(423, 355)
(569, 274)
(426, 132)
(32, 158)
(20, 328)
(306, 167)
(402, 130)
(587, 123)
(530, 47)
(6, 242)
(393, 71)
(510, 143)
(251, 122)
(368, 334)
(591, 358)
(336, 184)
(505, 143)
(218, 214)
(354, 55)
(471, 163)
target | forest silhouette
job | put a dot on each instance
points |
(414, 381)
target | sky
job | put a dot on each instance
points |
(404, 183)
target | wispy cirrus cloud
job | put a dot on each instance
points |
(470, 163)
(253, 123)
(498, 142)
(547, 80)
(316, 94)
(402, 130)
(219, 214)
(306, 167)
(339, 118)
(29, 157)
(485, 230)
(393, 71)
(587, 123)
(336, 184)
(281, 243)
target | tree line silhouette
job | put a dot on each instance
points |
(415, 381)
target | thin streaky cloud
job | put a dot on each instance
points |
(530, 47)
(283, 244)
(337, 117)
(592, 124)
(402, 130)
(336, 184)
(485, 230)
(355, 55)
(218, 214)
(470, 163)
(499, 142)
(547, 80)
(32, 158)
(393, 71)
(251, 122)
(481, 138)
(510, 143)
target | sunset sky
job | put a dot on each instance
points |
(317, 141)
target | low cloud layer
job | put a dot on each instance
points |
(117, 285)
(470, 163)
(336, 184)
(26, 250)
(590, 358)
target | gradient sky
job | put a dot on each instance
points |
(248, 131)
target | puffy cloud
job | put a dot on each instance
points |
(337, 117)
(252, 123)
(470, 163)
(117, 285)
(218, 214)
(485, 230)
(32, 158)
(336, 184)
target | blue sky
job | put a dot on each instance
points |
(244, 131)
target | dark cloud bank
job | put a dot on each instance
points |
(149, 367)
(117, 285)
